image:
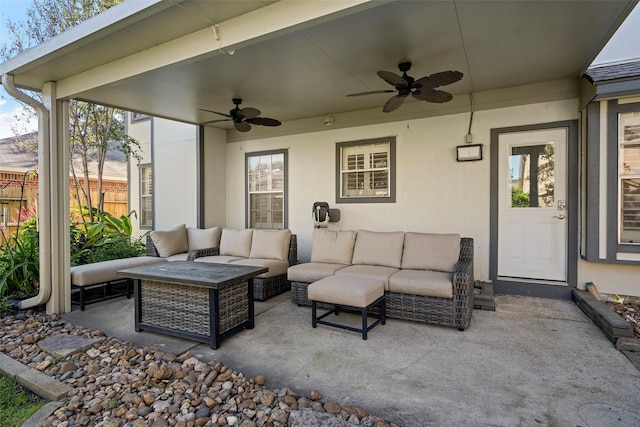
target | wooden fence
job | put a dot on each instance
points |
(13, 198)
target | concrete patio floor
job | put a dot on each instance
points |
(532, 362)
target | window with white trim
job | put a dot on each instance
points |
(137, 117)
(366, 171)
(629, 177)
(266, 189)
(146, 197)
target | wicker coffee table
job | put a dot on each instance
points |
(201, 301)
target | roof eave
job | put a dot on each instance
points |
(109, 21)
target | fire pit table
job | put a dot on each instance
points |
(201, 301)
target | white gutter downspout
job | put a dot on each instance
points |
(44, 202)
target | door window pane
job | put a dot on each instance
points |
(532, 180)
(629, 176)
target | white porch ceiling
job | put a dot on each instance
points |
(161, 57)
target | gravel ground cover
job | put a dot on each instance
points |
(629, 311)
(119, 384)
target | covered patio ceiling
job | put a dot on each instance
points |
(296, 60)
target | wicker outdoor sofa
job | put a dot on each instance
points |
(274, 249)
(428, 277)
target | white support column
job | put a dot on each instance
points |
(57, 215)
(45, 134)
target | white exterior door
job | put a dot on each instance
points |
(532, 205)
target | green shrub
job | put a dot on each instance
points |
(106, 238)
(519, 199)
(20, 265)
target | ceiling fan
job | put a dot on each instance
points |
(243, 118)
(423, 89)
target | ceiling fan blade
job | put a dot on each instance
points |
(215, 112)
(438, 79)
(373, 92)
(216, 121)
(264, 121)
(392, 78)
(393, 103)
(438, 96)
(249, 113)
(242, 126)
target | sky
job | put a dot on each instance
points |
(623, 45)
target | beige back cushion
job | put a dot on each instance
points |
(428, 251)
(203, 238)
(236, 242)
(270, 244)
(378, 248)
(171, 242)
(333, 247)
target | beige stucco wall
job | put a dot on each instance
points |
(175, 171)
(610, 278)
(434, 193)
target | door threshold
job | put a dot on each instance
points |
(534, 288)
(534, 281)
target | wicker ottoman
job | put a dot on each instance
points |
(349, 294)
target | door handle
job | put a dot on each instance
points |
(559, 216)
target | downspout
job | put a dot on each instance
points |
(44, 291)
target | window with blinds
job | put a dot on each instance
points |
(365, 171)
(266, 183)
(629, 177)
(146, 197)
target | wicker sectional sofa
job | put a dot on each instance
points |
(274, 249)
(428, 277)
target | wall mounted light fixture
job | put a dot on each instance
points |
(469, 152)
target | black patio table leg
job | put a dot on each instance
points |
(82, 298)
(364, 323)
(214, 318)
(313, 314)
(137, 297)
(251, 322)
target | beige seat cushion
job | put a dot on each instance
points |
(333, 247)
(199, 238)
(270, 244)
(378, 248)
(218, 259)
(371, 271)
(310, 272)
(276, 267)
(171, 242)
(107, 271)
(346, 290)
(236, 242)
(422, 282)
(178, 257)
(428, 251)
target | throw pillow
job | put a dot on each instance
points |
(333, 247)
(378, 248)
(199, 238)
(171, 242)
(236, 242)
(270, 244)
(431, 251)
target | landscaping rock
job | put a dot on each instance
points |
(112, 383)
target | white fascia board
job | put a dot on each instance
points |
(111, 20)
(270, 21)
